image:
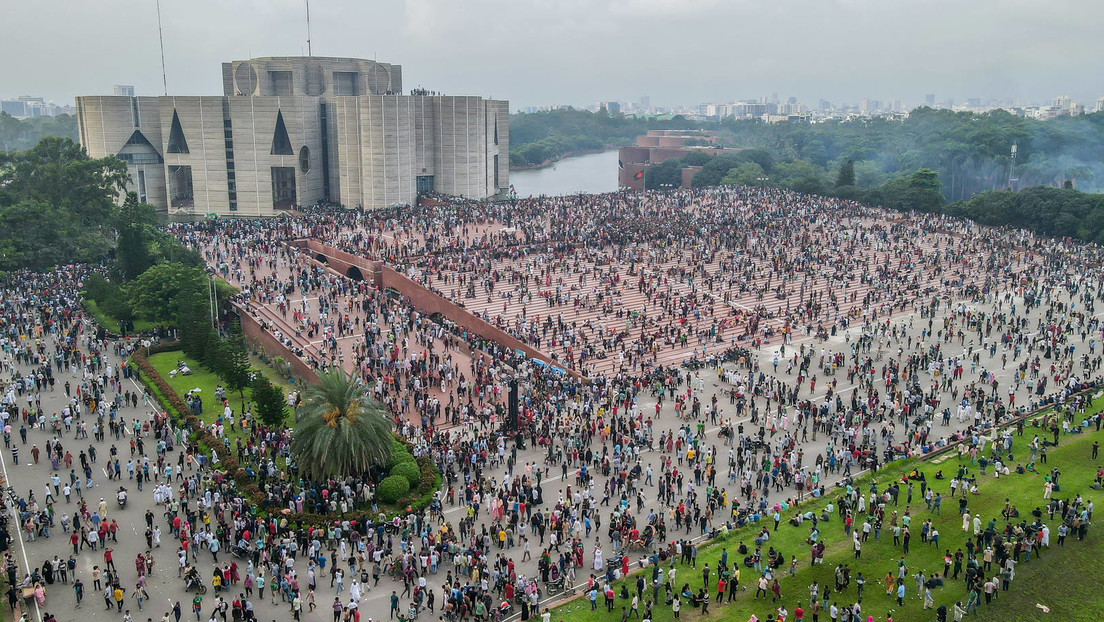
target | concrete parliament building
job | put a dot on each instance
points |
(292, 131)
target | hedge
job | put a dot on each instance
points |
(392, 488)
(410, 471)
(399, 455)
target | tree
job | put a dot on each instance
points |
(846, 175)
(134, 222)
(340, 430)
(713, 171)
(269, 402)
(808, 185)
(664, 176)
(163, 291)
(746, 174)
(55, 204)
(919, 191)
(695, 158)
(234, 367)
(194, 327)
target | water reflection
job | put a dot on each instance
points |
(593, 173)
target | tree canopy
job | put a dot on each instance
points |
(1059, 212)
(16, 134)
(970, 152)
(538, 137)
(56, 204)
(340, 430)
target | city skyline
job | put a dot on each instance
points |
(680, 53)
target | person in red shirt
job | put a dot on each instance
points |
(109, 563)
(798, 613)
(74, 539)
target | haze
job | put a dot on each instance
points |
(542, 52)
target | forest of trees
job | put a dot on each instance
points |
(17, 135)
(971, 153)
(542, 136)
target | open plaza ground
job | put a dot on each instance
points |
(863, 338)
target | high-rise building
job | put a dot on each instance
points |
(122, 90)
(290, 131)
(870, 106)
(610, 106)
(929, 100)
(27, 106)
(14, 107)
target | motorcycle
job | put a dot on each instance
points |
(192, 580)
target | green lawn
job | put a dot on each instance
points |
(205, 381)
(111, 323)
(1068, 593)
(268, 372)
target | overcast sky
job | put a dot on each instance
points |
(539, 52)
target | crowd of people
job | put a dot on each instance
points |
(841, 337)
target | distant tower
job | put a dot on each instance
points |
(1012, 170)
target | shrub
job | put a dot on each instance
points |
(399, 455)
(410, 471)
(393, 488)
(430, 476)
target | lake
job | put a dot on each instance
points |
(592, 173)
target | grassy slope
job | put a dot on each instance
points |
(112, 324)
(266, 370)
(1069, 596)
(202, 379)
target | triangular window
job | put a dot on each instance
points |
(138, 150)
(138, 139)
(496, 129)
(177, 144)
(281, 144)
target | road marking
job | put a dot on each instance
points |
(19, 530)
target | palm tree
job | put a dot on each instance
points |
(340, 430)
